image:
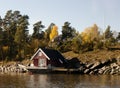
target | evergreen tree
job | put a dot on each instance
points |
(15, 31)
(68, 31)
(37, 30)
(108, 33)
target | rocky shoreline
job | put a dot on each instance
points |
(16, 68)
(110, 66)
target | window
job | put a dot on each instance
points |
(42, 62)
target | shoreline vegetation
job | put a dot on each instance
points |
(94, 62)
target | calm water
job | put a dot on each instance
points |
(58, 81)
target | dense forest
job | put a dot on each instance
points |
(17, 44)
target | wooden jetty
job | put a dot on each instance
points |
(55, 70)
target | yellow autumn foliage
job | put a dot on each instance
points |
(54, 33)
(90, 34)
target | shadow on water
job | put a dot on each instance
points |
(58, 81)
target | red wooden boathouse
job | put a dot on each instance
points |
(48, 58)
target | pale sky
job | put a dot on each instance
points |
(80, 13)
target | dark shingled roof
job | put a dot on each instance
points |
(54, 54)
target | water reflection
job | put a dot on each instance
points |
(12, 81)
(58, 81)
(74, 81)
(38, 81)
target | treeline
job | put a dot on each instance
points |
(17, 44)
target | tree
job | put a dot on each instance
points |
(1, 40)
(108, 33)
(90, 37)
(37, 30)
(9, 23)
(118, 37)
(77, 44)
(90, 33)
(15, 31)
(21, 35)
(48, 31)
(68, 31)
(65, 39)
(38, 35)
(54, 33)
(1, 31)
(108, 38)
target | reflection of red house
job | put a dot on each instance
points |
(48, 57)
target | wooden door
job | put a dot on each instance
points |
(35, 62)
